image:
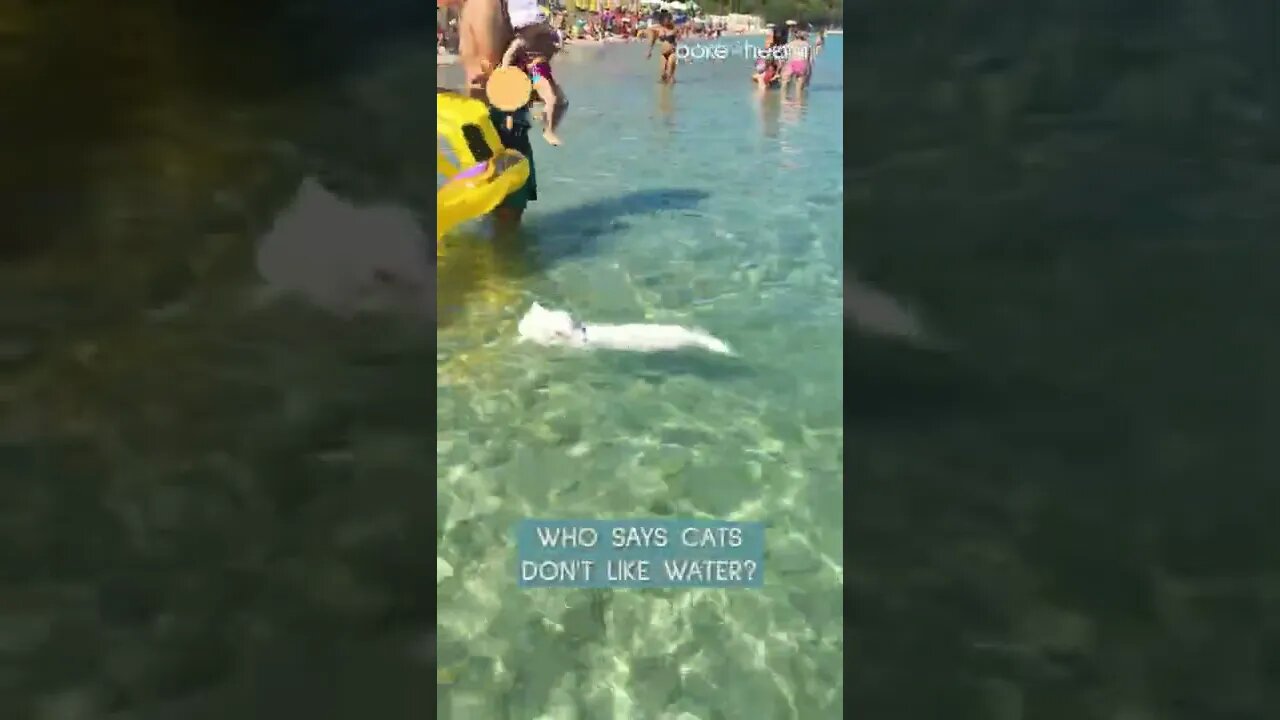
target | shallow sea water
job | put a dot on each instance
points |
(701, 204)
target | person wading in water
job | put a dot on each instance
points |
(664, 34)
(485, 33)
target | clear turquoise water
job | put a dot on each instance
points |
(701, 204)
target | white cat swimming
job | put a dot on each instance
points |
(557, 327)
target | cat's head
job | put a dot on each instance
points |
(545, 327)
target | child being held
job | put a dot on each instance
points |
(536, 42)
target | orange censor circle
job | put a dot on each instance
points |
(508, 89)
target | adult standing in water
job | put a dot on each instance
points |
(485, 33)
(798, 64)
(664, 32)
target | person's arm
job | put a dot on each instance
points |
(653, 40)
(483, 35)
(510, 55)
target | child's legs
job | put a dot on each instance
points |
(554, 102)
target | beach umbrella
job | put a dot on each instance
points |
(792, 22)
(677, 5)
(651, 2)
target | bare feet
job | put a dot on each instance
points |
(551, 137)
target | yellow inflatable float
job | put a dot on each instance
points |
(479, 172)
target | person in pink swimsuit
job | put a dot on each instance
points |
(798, 65)
(531, 51)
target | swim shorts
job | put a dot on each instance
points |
(517, 138)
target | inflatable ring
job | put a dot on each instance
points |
(479, 172)
(479, 189)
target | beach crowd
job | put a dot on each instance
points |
(606, 26)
